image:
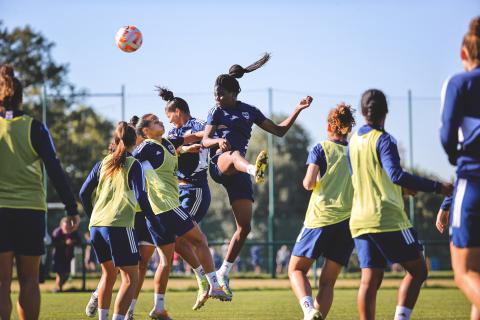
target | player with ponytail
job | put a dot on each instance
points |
(26, 147)
(326, 229)
(460, 137)
(380, 228)
(227, 133)
(158, 156)
(119, 185)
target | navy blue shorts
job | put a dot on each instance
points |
(175, 223)
(376, 249)
(334, 242)
(465, 214)
(22, 231)
(195, 200)
(144, 237)
(238, 186)
(118, 244)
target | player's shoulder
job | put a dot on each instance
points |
(462, 79)
(387, 138)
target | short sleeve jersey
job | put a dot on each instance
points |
(235, 124)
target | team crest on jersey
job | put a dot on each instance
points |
(171, 148)
(246, 115)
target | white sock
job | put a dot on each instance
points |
(225, 268)
(102, 314)
(117, 316)
(132, 304)
(307, 304)
(212, 280)
(251, 170)
(402, 313)
(199, 273)
(95, 293)
(159, 299)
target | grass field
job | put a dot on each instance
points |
(434, 303)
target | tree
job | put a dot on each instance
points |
(80, 135)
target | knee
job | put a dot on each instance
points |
(244, 230)
(421, 274)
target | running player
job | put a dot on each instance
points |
(25, 147)
(192, 175)
(119, 184)
(461, 127)
(159, 160)
(326, 230)
(379, 225)
(228, 130)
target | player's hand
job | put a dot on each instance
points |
(194, 148)
(73, 222)
(224, 145)
(442, 220)
(304, 103)
(446, 189)
(409, 192)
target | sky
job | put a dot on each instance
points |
(331, 50)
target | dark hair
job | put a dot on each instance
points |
(374, 106)
(341, 119)
(229, 81)
(471, 40)
(123, 138)
(133, 121)
(172, 101)
(143, 122)
(11, 90)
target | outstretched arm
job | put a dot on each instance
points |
(281, 129)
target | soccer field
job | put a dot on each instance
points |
(266, 304)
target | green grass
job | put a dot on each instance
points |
(266, 304)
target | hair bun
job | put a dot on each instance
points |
(166, 94)
(236, 71)
(474, 27)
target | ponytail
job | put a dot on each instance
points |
(173, 102)
(341, 119)
(124, 137)
(11, 90)
(374, 106)
(229, 81)
(471, 40)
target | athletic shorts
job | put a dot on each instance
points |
(238, 186)
(22, 231)
(375, 250)
(465, 214)
(144, 237)
(118, 244)
(174, 223)
(333, 242)
(195, 200)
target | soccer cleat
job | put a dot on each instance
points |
(159, 315)
(219, 293)
(92, 305)
(223, 282)
(260, 166)
(202, 295)
(129, 315)
(314, 314)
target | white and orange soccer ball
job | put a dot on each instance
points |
(128, 38)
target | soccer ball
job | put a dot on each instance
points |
(128, 38)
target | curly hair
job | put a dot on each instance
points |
(341, 119)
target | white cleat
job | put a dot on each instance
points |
(92, 305)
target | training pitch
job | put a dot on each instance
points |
(434, 303)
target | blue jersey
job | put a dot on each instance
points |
(389, 158)
(235, 124)
(192, 167)
(153, 153)
(460, 131)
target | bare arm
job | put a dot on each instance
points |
(208, 141)
(281, 129)
(310, 179)
(193, 137)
